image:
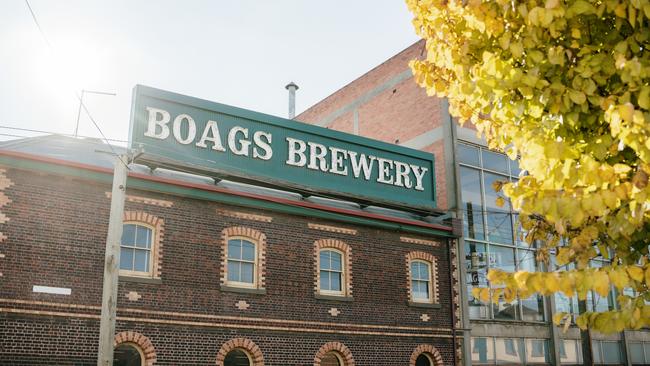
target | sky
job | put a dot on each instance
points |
(240, 53)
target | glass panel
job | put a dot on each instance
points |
(336, 261)
(499, 225)
(532, 308)
(236, 357)
(325, 280)
(537, 351)
(247, 270)
(476, 264)
(325, 259)
(502, 258)
(495, 161)
(570, 352)
(141, 263)
(248, 251)
(126, 355)
(595, 349)
(422, 360)
(143, 237)
(128, 235)
(482, 350)
(420, 271)
(611, 352)
(126, 259)
(330, 359)
(233, 271)
(420, 290)
(526, 260)
(335, 281)
(509, 351)
(468, 154)
(636, 352)
(514, 167)
(472, 204)
(646, 347)
(234, 249)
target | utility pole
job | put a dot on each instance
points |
(111, 263)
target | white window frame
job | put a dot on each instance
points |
(255, 263)
(429, 300)
(149, 272)
(343, 274)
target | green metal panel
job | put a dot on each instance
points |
(169, 142)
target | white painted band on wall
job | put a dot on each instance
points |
(52, 290)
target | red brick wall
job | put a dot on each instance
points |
(56, 237)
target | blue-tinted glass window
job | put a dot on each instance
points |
(468, 154)
(331, 270)
(241, 261)
(135, 248)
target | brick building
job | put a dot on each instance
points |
(386, 104)
(213, 271)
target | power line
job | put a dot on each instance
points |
(47, 41)
(50, 132)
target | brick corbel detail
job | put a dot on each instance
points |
(140, 341)
(258, 237)
(427, 257)
(158, 225)
(337, 347)
(247, 345)
(341, 246)
(429, 350)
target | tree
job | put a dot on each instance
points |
(564, 86)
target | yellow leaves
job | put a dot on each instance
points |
(577, 96)
(643, 99)
(619, 277)
(601, 283)
(636, 273)
(500, 201)
(481, 293)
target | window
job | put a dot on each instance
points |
(493, 235)
(331, 271)
(332, 268)
(509, 351)
(421, 269)
(128, 354)
(331, 359)
(136, 249)
(537, 351)
(241, 262)
(420, 281)
(423, 360)
(141, 245)
(237, 357)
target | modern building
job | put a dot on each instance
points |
(214, 271)
(387, 105)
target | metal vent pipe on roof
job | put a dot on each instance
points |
(292, 87)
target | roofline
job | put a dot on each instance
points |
(215, 189)
(357, 78)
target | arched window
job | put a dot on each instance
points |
(331, 271)
(331, 359)
(420, 281)
(128, 354)
(242, 262)
(423, 360)
(136, 249)
(237, 357)
(422, 278)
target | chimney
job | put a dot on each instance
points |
(292, 87)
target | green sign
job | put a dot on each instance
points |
(189, 134)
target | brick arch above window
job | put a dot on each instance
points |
(337, 347)
(242, 343)
(140, 341)
(347, 262)
(429, 258)
(430, 351)
(158, 226)
(257, 237)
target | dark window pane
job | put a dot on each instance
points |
(532, 309)
(611, 352)
(128, 235)
(595, 347)
(335, 281)
(325, 280)
(470, 181)
(422, 360)
(509, 351)
(325, 256)
(499, 224)
(636, 351)
(495, 161)
(143, 237)
(482, 350)
(537, 351)
(514, 167)
(468, 154)
(126, 259)
(330, 359)
(237, 357)
(476, 264)
(248, 251)
(126, 355)
(141, 262)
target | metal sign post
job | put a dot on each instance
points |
(111, 263)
